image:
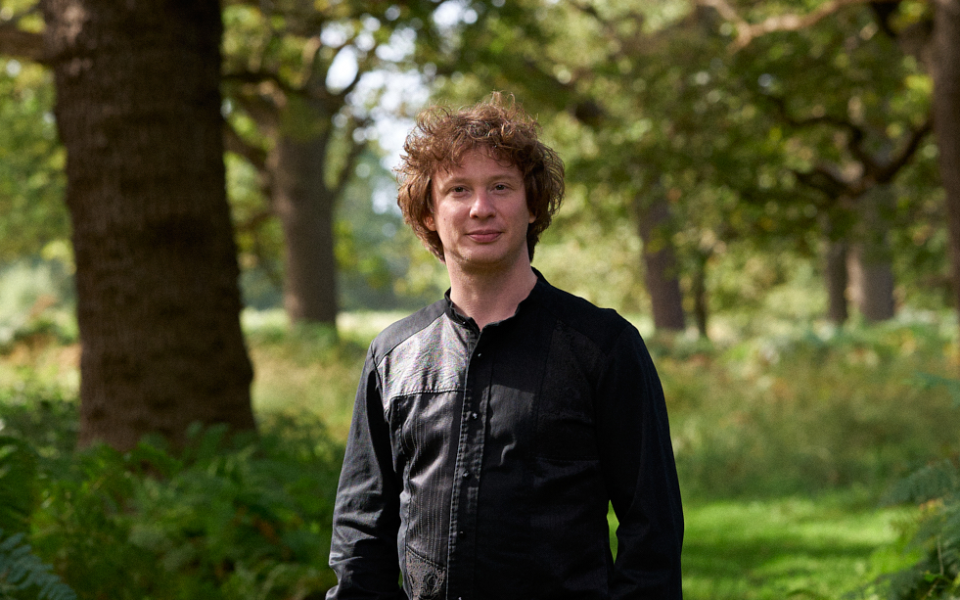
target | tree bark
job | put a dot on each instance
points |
(306, 209)
(660, 262)
(835, 273)
(946, 120)
(138, 109)
(701, 309)
(869, 262)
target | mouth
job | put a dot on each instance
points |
(484, 236)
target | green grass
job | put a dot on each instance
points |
(831, 546)
(783, 548)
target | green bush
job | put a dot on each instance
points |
(935, 535)
(239, 517)
(18, 484)
(805, 412)
(42, 414)
(233, 518)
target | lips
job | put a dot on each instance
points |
(484, 236)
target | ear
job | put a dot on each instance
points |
(429, 223)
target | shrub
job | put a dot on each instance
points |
(935, 536)
(805, 412)
(232, 518)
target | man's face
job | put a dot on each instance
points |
(480, 213)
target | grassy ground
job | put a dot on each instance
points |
(784, 443)
(784, 548)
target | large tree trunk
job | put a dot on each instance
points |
(138, 109)
(306, 209)
(870, 261)
(946, 120)
(835, 274)
(660, 262)
(701, 311)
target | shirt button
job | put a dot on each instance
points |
(466, 474)
(474, 415)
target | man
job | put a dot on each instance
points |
(492, 428)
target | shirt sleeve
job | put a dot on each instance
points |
(640, 474)
(366, 516)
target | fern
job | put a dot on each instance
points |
(21, 570)
(18, 472)
(936, 489)
(937, 481)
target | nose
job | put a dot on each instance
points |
(482, 206)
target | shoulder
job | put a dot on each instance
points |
(404, 329)
(603, 327)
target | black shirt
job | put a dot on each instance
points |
(480, 464)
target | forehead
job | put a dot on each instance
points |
(477, 162)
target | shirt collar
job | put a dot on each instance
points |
(535, 296)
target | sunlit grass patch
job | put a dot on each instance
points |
(792, 547)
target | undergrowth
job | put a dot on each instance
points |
(808, 412)
(231, 517)
(932, 537)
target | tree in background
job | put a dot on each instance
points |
(851, 146)
(715, 150)
(551, 56)
(627, 90)
(929, 30)
(301, 128)
(138, 110)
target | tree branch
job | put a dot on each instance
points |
(885, 173)
(747, 32)
(17, 43)
(257, 157)
(356, 148)
(855, 141)
(259, 77)
(825, 178)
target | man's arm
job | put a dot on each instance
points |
(366, 517)
(640, 473)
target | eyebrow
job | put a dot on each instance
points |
(505, 174)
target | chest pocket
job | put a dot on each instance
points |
(565, 415)
(423, 426)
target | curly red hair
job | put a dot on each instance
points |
(440, 139)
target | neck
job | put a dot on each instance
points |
(488, 297)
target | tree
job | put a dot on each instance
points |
(302, 130)
(934, 36)
(138, 110)
(722, 143)
(946, 117)
(568, 62)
